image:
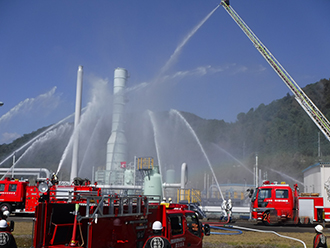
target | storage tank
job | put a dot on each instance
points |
(170, 176)
(153, 183)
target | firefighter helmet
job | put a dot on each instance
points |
(3, 224)
(319, 228)
(6, 213)
(157, 225)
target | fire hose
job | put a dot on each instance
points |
(226, 229)
(250, 229)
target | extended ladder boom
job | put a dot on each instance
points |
(314, 113)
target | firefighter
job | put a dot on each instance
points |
(229, 208)
(10, 224)
(223, 210)
(5, 215)
(7, 240)
(157, 240)
(319, 240)
(54, 179)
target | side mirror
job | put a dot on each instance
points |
(251, 191)
(207, 229)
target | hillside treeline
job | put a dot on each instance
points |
(281, 134)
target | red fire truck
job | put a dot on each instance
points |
(18, 196)
(275, 203)
(87, 218)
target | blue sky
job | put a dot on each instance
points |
(216, 75)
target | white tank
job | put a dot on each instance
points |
(153, 183)
(170, 176)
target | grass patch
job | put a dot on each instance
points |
(256, 239)
(23, 234)
(248, 239)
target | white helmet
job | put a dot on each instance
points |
(6, 213)
(157, 225)
(319, 228)
(3, 224)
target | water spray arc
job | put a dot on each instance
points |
(173, 111)
(230, 155)
(35, 138)
(177, 51)
(287, 176)
(90, 144)
(153, 123)
(56, 132)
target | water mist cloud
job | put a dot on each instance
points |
(98, 110)
(46, 100)
(137, 87)
(199, 71)
(30, 112)
(7, 137)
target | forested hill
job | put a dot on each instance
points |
(281, 133)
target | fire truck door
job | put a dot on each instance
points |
(282, 203)
(177, 237)
(13, 192)
(193, 233)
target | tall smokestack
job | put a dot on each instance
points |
(74, 164)
(116, 147)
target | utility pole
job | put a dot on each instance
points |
(319, 146)
(257, 171)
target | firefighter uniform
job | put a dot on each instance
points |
(319, 240)
(157, 241)
(7, 240)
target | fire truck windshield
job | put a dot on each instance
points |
(265, 193)
(262, 195)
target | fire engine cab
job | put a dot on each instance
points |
(88, 218)
(18, 196)
(274, 203)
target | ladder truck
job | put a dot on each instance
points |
(310, 108)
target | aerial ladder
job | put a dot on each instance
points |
(310, 108)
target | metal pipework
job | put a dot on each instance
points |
(184, 178)
(26, 171)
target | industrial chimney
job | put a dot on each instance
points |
(74, 165)
(116, 146)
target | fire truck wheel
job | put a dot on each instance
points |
(266, 218)
(5, 206)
